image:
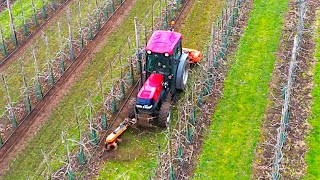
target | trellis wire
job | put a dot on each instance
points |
(191, 108)
(285, 114)
(48, 65)
(14, 33)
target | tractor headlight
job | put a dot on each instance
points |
(166, 54)
(148, 52)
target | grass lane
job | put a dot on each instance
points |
(48, 137)
(17, 16)
(138, 157)
(228, 150)
(313, 137)
(13, 72)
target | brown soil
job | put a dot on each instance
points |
(293, 164)
(43, 110)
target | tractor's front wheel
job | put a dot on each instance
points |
(165, 114)
(131, 108)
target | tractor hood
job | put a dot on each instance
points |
(150, 91)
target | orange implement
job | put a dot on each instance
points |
(194, 55)
(112, 139)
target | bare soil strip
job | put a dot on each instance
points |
(293, 163)
(43, 110)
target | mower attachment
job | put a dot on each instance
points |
(113, 139)
(194, 55)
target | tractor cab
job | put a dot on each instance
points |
(164, 49)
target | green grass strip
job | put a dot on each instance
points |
(48, 138)
(17, 16)
(13, 71)
(228, 150)
(313, 138)
(139, 155)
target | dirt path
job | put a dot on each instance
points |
(23, 45)
(43, 110)
(293, 164)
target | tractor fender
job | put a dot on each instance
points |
(182, 72)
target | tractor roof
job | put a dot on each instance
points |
(163, 42)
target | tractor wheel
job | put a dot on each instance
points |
(182, 74)
(131, 108)
(165, 114)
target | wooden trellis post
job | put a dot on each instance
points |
(3, 44)
(71, 48)
(12, 116)
(131, 73)
(170, 152)
(81, 156)
(64, 141)
(98, 25)
(61, 55)
(90, 31)
(122, 87)
(114, 102)
(24, 26)
(80, 26)
(139, 65)
(49, 62)
(26, 89)
(93, 132)
(12, 27)
(1, 140)
(43, 10)
(35, 18)
(38, 88)
(180, 148)
(104, 121)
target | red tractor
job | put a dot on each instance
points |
(166, 72)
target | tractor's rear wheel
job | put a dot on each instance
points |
(131, 108)
(165, 112)
(182, 74)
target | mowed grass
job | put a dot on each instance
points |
(228, 149)
(48, 138)
(137, 157)
(313, 138)
(140, 151)
(13, 72)
(17, 15)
